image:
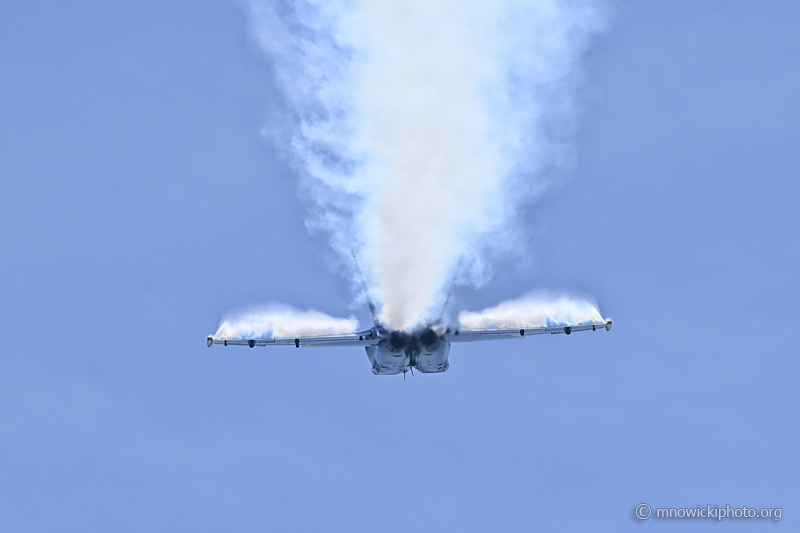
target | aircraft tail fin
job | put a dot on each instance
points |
(372, 308)
(446, 305)
(374, 313)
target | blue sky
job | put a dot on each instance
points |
(140, 203)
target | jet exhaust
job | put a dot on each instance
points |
(419, 127)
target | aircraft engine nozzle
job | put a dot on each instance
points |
(398, 340)
(428, 337)
(251, 343)
(210, 341)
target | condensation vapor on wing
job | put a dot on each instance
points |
(281, 320)
(419, 126)
(533, 310)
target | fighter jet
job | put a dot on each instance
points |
(425, 349)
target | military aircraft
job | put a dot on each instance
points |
(425, 349)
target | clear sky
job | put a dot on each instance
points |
(140, 202)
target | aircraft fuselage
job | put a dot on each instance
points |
(399, 351)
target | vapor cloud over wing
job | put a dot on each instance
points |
(419, 127)
(281, 320)
(533, 310)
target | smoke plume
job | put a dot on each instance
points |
(419, 127)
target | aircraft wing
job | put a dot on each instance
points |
(469, 335)
(365, 338)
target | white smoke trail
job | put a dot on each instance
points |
(421, 125)
(532, 310)
(281, 320)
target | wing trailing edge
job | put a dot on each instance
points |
(363, 338)
(470, 335)
(370, 337)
